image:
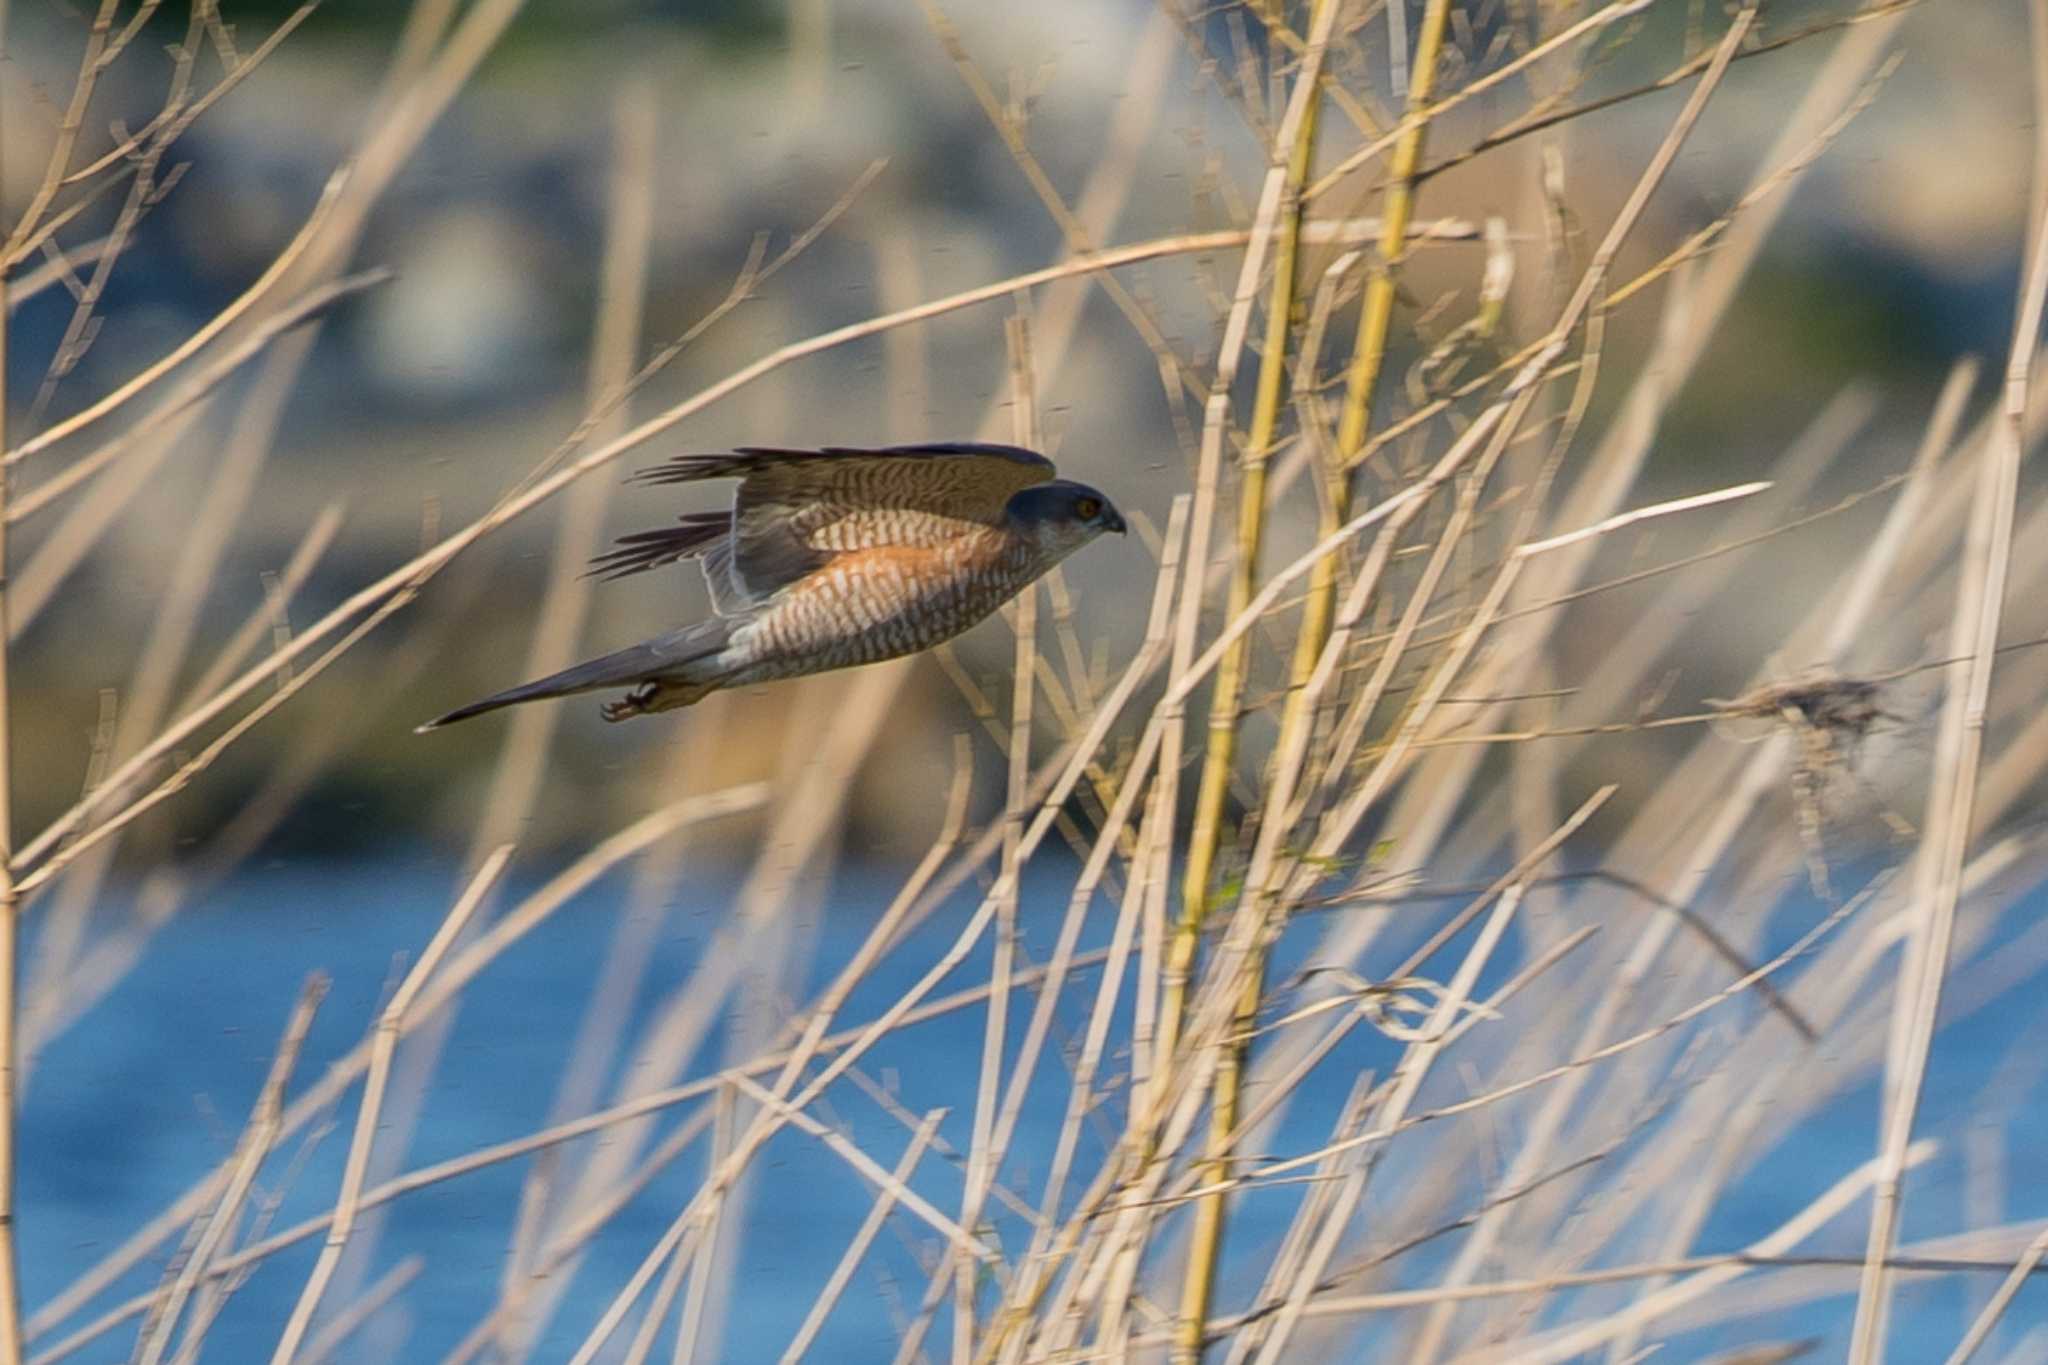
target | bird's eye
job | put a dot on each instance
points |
(1085, 508)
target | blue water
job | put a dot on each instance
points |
(150, 1089)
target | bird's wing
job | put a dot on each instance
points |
(703, 536)
(695, 534)
(796, 510)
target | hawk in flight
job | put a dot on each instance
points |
(832, 558)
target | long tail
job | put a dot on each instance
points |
(666, 658)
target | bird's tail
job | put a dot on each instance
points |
(666, 657)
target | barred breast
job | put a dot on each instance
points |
(883, 602)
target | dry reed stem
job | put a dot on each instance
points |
(1394, 1300)
(285, 260)
(863, 1238)
(1063, 959)
(258, 1137)
(519, 1147)
(58, 269)
(622, 273)
(338, 221)
(176, 622)
(821, 1015)
(64, 547)
(680, 1265)
(203, 382)
(1381, 1134)
(1449, 541)
(1406, 1084)
(10, 896)
(1293, 142)
(1239, 959)
(1409, 1298)
(1852, 611)
(543, 902)
(1331, 1180)
(382, 153)
(1544, 1129)
(1836, 83)
(166, 129)
(389, 1027)
(1699, 241)
(1986, 1321)
(144, 193)
(1273, 206)
(1361, 380)
(961, 1239)
(810, 810)
(89, 69)
(780, 1113)
(1670, 1023)
(1241, 947)
(1791, 157)
(1376, 308)
(1173, 374)
(1538, 120)
(1418, 118)
(1009, 1334)
(181, 776)
(1437, 1035)
(1226, 700)
(984, 1157)
(1363, 1011)
(345, 1324)
(569, 1245)
(1563, 1345)
(1506, 411)
(1953, 793)
(679, 1242)
(1227, 697)
(1185, 1112)
(1149, 652)
(298, 568)
(879, 1094)
(689, 1329)
(1835, 984)
(1298, 717)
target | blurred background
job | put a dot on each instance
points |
(160, 970)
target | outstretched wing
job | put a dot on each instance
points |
(798, 509)
(697, 533)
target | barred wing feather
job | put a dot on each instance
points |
(796, 510)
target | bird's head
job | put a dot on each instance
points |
(1062, 516)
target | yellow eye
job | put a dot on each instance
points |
(1084, 508)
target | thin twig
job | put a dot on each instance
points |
(262, 1132)
(1953, 796)
(389, 1027)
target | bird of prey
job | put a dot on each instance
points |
(831, 558)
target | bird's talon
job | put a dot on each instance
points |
(634, 703)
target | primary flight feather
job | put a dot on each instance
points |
(831, 558)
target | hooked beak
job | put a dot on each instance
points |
(1112, 520)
